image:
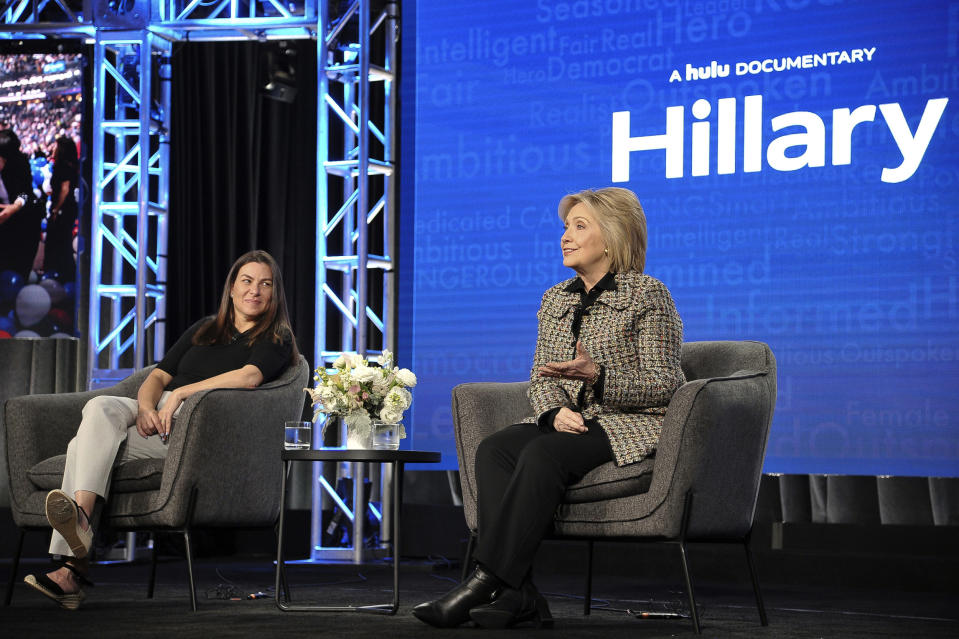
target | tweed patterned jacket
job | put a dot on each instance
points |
(635, 334)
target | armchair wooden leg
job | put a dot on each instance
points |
(756, 591)
(468, 558)
(14, 568)
(153, 567)
(588, 599)
(189, 567)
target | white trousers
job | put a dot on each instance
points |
(107, 437)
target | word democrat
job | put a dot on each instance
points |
(812, 141)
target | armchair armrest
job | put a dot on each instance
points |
(226, 443)
(41, 426)
(714, 428)
(479, 410)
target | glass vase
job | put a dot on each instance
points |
(386, 436)
(358, 438)
(338, 430)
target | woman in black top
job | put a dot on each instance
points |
(20, 213)
(58, 249)
(247, 343)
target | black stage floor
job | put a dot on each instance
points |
(117, 606)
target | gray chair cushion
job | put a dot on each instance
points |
(131, 477)
(609, 482)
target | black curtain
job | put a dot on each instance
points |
(243, 176)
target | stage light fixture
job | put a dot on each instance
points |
(121, 13)
(120, 7)
(281, 80)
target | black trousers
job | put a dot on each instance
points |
(521, 476)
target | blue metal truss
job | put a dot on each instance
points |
(42, 18)
(347, 276)
(128, 238)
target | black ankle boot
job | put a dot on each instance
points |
(453, 608)
(514, 606)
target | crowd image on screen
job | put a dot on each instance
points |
(41, 102)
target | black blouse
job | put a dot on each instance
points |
(189, 363)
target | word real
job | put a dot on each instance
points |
(787, 152)
(773, 65)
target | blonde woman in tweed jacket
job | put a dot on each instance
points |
(606, 366)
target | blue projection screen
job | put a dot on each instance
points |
(797, 161)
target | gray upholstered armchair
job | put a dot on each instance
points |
(701, 485)
(223, 467)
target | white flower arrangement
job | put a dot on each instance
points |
(360, 392)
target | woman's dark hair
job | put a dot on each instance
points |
(273, 323)
(65, 157)
(9, 144)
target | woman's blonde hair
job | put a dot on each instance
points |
(621, 222)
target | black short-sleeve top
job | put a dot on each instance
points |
(189, 363)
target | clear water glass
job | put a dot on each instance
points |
(298, 435)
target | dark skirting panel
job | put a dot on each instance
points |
(794, 491)
(851, 499)
(944, 495)
(904, 501)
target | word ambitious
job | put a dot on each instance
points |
(808, 146)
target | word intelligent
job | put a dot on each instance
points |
(812, 141)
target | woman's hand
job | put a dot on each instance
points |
(569, 421)
(166, 413)
(148, 421)
(582, 368)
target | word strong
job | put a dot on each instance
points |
(787, 152)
